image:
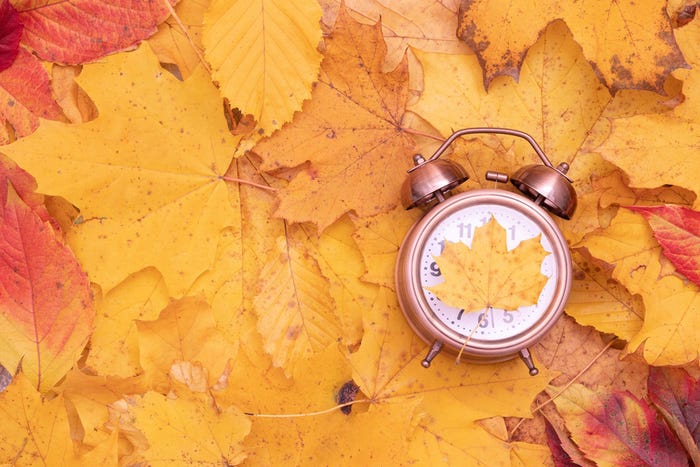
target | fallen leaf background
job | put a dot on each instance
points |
(230, 188)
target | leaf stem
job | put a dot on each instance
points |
(565, 387)
(247, 182)
(411, 131)
(174, 15)
(308, 414)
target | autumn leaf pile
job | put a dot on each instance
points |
(200, 221)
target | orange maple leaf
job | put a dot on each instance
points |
(351, 131)
(488, 274)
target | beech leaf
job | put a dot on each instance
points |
(677, 229)
(487, 274)
(263, 55)
(46, 312)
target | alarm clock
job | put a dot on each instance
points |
(487, 335)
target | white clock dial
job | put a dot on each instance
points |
(488, 324)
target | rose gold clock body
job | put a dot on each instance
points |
(431, 328)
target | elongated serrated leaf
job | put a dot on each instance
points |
(83, 30)
(294, 307)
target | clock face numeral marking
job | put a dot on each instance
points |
(489, 323)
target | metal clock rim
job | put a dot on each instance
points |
(428, 326)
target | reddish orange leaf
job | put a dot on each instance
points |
(618, 429)
(46, 309)
(673, 390)
(11, 29)
(83, 30)
(25, 96)
(677, 229)
(24, 184)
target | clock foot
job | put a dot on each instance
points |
(527, 358)
(432, 353)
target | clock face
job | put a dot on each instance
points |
(489, 323)
(482, 333)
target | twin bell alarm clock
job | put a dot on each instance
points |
(488, 333)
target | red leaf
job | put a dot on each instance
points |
(618, 429)
(10, 34)
(25, 96)
(559, 455)
(677, 229)
(46, 312)
(678, 394)
(79, 31)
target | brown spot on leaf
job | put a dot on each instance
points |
(293, 332)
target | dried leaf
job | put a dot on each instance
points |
(557, 99)
(488, 274)
(46, 311)
(641, 56)
(263, 55)
(677, 229)
(654, 149)
(352, 130)
(427, 25)
(388, 366)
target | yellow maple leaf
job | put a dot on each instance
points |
(630, 44)
(189, 430)
(33, 428)
(152, 162)
(637, 142)
(488, 275)
(671, 305)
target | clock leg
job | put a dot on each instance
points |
(527, 358)
(432, 353)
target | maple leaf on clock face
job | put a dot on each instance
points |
(350, 132)
(488, 274)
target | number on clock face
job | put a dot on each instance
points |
(490, 323)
